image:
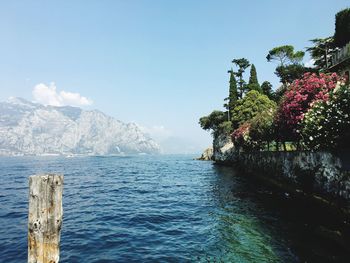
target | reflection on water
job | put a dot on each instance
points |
(240, 234)
(157, 209)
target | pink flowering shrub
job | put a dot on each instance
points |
(297, 100)
(241, 138)
(241, 133)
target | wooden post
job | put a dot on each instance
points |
(45, 218)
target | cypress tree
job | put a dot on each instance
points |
(233, 93)
(242, 64)
(232, 96)
(253, 83)
(266, 88)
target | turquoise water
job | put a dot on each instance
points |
(154, 209)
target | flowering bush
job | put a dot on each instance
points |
(327, 124)
(299, 98)
(240, 136)
(242, 140)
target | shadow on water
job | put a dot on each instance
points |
(267, 221)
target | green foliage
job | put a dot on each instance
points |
(216, 122)
(326, 125)
(266, 89)
(213, 120)
(248, 107)
(225, 128)
(285, 55)
(342, 28)
(321, 52)
(289, 73)
(280, 92)
(242, 64)
(253, 83)
(233, 93)
(262, 126)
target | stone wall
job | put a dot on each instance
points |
(320, 173)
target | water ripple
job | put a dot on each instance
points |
(145, 209)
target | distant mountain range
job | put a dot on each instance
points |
(28, 128)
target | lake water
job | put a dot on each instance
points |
(156, 209)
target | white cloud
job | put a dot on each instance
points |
(74, 98)
(48, 95)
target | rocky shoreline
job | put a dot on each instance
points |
(319, 180)
(207, 155)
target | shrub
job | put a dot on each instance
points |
(297, 100)
(262, 127)
(326, 125)
(241, 138)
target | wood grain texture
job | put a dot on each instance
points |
(45, 218)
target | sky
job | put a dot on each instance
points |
(161, 64)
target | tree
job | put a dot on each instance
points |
(248, 107)
(321, 52)
(253, 83)
(285, 55)
(266, 89)
(289, 73)
(342, 28)
(242, 64)
(262, 128)
(216, 122)
(212, 121)
(279, 93)
(290, 67)
(233, 93)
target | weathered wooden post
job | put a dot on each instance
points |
(45, 218)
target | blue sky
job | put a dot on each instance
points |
(161, 64)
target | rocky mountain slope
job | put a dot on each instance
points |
(28, 128)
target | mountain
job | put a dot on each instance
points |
(28, 128)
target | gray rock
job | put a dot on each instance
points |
(28, 128)
(207, 155)
(223, 148)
